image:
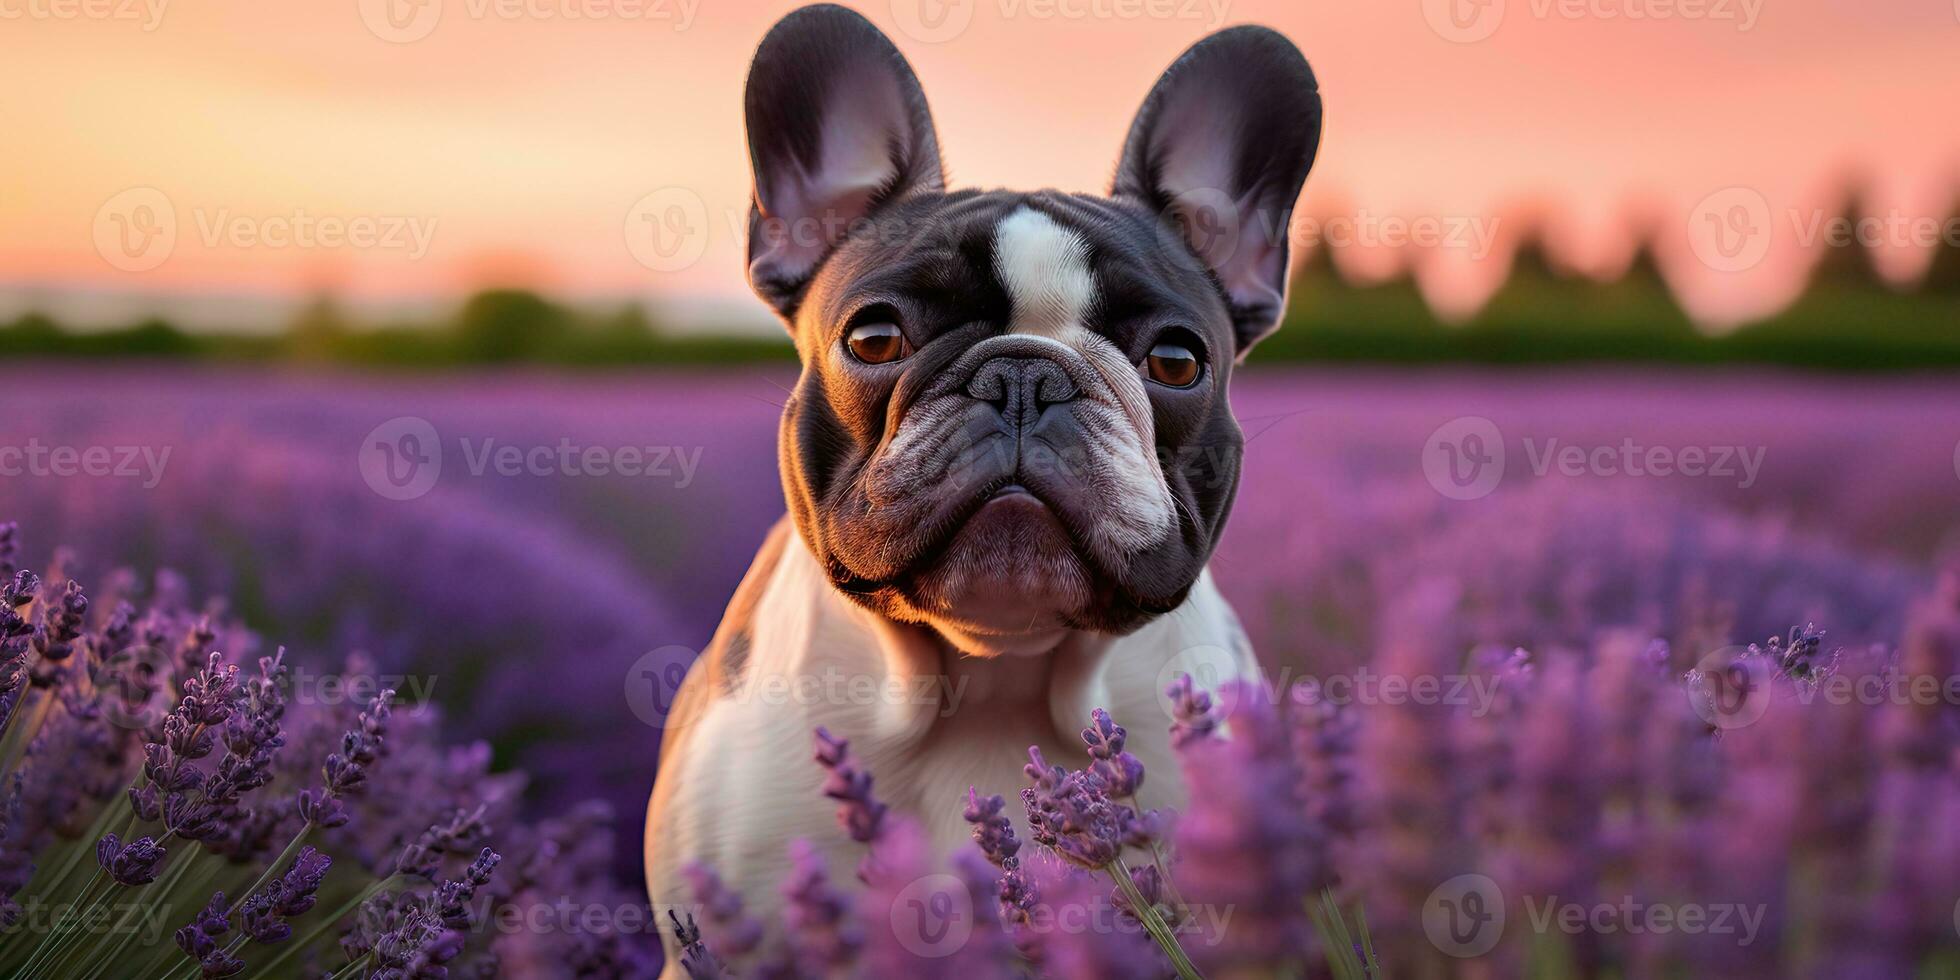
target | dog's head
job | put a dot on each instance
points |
(1012, 416)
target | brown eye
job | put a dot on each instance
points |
(876, 343)
(1173, 365)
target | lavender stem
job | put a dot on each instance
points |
(1152, 922)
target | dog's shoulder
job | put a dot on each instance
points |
(722, 664)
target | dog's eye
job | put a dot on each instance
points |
(1172, 364)
(877, 343)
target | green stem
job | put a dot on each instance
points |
(52, 943)
(1152, 922)
(292, 848)
(351, 969)
(163, 889)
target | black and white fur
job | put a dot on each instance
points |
(1010, 525)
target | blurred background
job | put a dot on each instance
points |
(418, 327)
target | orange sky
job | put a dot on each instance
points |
(518, 137)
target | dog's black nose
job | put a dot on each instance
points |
(1021, 387)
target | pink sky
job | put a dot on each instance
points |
(519, 134)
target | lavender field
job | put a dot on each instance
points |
(523, 590)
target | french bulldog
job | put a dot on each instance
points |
(1008, 456)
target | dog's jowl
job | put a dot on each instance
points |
(1009, 453)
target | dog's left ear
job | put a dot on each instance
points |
(1222, 146)
(838, 127)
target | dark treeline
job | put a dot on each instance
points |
(1848, 318)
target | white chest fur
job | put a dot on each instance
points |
(739, 782)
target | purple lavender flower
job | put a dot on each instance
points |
(991, 828)
(1074, 815)
(202, 940)
(452, 898)
(1191, 716)
(860, 813)
(1247, 842)
(135, 863)
(345, 771)
(696, 961)
(53, 640)
(732, 933)
(994, 834)
(1086, 954)
(267, 917)
(1121, 772)
(823, 930)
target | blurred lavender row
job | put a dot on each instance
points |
(1788, 809)
(525, 602)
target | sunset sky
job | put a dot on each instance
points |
(523, 141)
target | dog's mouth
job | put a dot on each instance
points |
(1011, 562)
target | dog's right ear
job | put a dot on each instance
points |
(838, 127)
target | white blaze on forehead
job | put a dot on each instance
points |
(1045, 270)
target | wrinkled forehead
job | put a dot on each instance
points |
(1045, 264)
